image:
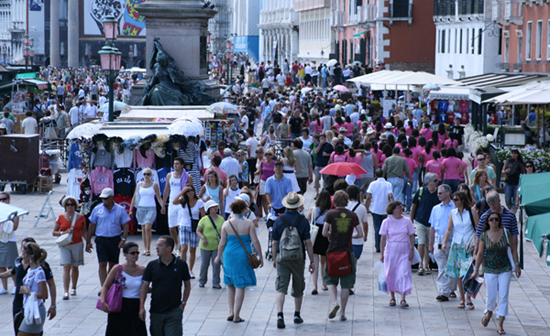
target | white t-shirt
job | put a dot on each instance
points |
(184, 218)
(306, 143)
(361, 212)
(74, 115)
(244, 122)
(281, 80)
(253, 143)
(29, 125)
(379, 189)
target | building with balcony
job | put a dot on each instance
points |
(467, 38)
(315, 33)
(525, 35)
(278, 31)
(393, 32)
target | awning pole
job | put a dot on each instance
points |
(521, 234)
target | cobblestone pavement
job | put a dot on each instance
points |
(368, 311)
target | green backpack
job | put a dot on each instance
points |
(290, 245)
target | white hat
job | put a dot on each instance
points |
(106, 193)
(293, 200)
(388, 126)
(370, 131)
(209, 204)
(244, 197)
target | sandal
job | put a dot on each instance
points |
(144, 253)
(461, 305)
(420, 271)
(452, 295)
(404, 304)
(470, 306)
(230, 318)
(73, 292)
(238, 320)
(501, 331)
(428, 271)
(486, 318)
(325, 288)
(314, 292)
(392, 303)
(148, 253)
(66, 296)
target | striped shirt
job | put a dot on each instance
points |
(509, 222)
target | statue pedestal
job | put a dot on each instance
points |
(137, 92)
(181, 26)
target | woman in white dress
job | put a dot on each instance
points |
(291, 168)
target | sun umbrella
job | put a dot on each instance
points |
(306, 90)
(222, 108)
(343, 168)
(187, 126)
(332, 62)
(341, 88)
(87, 131)
(356, 62)
(431, 86)
(118, 106)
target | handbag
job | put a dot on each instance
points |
(314, 229)
(509, 252)
(416, 257)
(252, 258)
(470, 244)
(194, 222)
(66, 238)
(114, 296)
(339, 262)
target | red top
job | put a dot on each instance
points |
(64, 225)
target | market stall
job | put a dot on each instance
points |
(114, 155)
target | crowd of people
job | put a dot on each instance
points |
(415, 185)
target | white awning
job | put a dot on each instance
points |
(532, 93)
(166, 112)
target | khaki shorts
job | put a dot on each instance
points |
(346, 281)
(284, 270)
(72, 254)
(422, 232)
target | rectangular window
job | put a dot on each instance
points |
(506, 49)
(473, 41)
(539, 40)
(449, 41)
(528, 37)
(456, 40)
(479, 42)
(443, 41)
(520, 49)
(400, 9)
(460, 42)
(467, 41)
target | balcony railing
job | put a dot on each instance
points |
(337, 18)
(503, 66)
(507, 12)
(367, 13)
(517, 67)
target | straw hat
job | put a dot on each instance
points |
(293, 200)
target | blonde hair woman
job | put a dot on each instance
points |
(146, 213)
(291, 168)
(266, 170)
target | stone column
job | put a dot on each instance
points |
(287, 47)
(294, 44)
(55, 59)
(72, 28)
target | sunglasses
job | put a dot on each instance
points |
(527, 166)
(70, 204)
(3, 199)
(494, 219)
(133, 253)
(456, 199)
(147, 174)
(480, 159)
(258, 152)
(268, 154)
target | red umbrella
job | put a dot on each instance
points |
(343, 168)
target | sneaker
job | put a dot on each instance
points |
(280, 322)
(13, 291)
(217, 287)
(3, 291)
(351, 292)
(298, 319)
(201, 285)
(192, 275)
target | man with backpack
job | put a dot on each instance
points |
(291, 238)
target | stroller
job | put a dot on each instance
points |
(271, 217)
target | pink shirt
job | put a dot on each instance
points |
(427, 157)
(426, 133)
(433, 166)
(409, 131)
(451, 143)
(378, 156)
(143, 162)
(452, 165)
(381, 160)
(316, 127)
(338, 158)
(412, 164)
(415, 151)
(442, 137)
(464, 166)
(397, 230)
(357, 159)
(101, 178)
(351, 129)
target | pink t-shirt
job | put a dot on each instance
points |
(433, 166)
(452, 165)
(451, 143)
(338, 158)
(382, 160)
(316, 127)
(351, 128)
(426, 133)
(427, 157)
(442, 137)
(415, 151)
(409, 131)
(357, 159)
(412, 164)
(464, 167)
(378, 156)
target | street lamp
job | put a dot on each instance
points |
(110, 58)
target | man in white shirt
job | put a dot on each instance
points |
(74, 115)
(359, 209)
(251, 146)
(102, 100)
(244, 120)
(354, 116)
(81, 93)
(91, 110)
(30, 124)
(379, 193)
(229, 164)
(280, 82)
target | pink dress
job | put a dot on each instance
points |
(397, 266)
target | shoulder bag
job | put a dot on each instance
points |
(339, 262)
(114, 296)
(471, 242)
(252, 258)
(215, 228)
(66, 238)
(194, 222)
(509, 252)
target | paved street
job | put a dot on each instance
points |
(368, 311)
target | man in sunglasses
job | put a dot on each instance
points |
(482, 165)
(105, 222)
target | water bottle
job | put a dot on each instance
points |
(432, 257)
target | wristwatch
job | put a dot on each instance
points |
(123, 239)
(183, 303)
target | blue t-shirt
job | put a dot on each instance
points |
(278, 189)
(291, 218)
(321, 160)
(424, 205)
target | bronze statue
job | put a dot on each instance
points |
(169, 86)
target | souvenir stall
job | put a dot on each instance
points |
(114, 155)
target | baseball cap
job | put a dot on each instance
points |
(106, 193)
(430, 177)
